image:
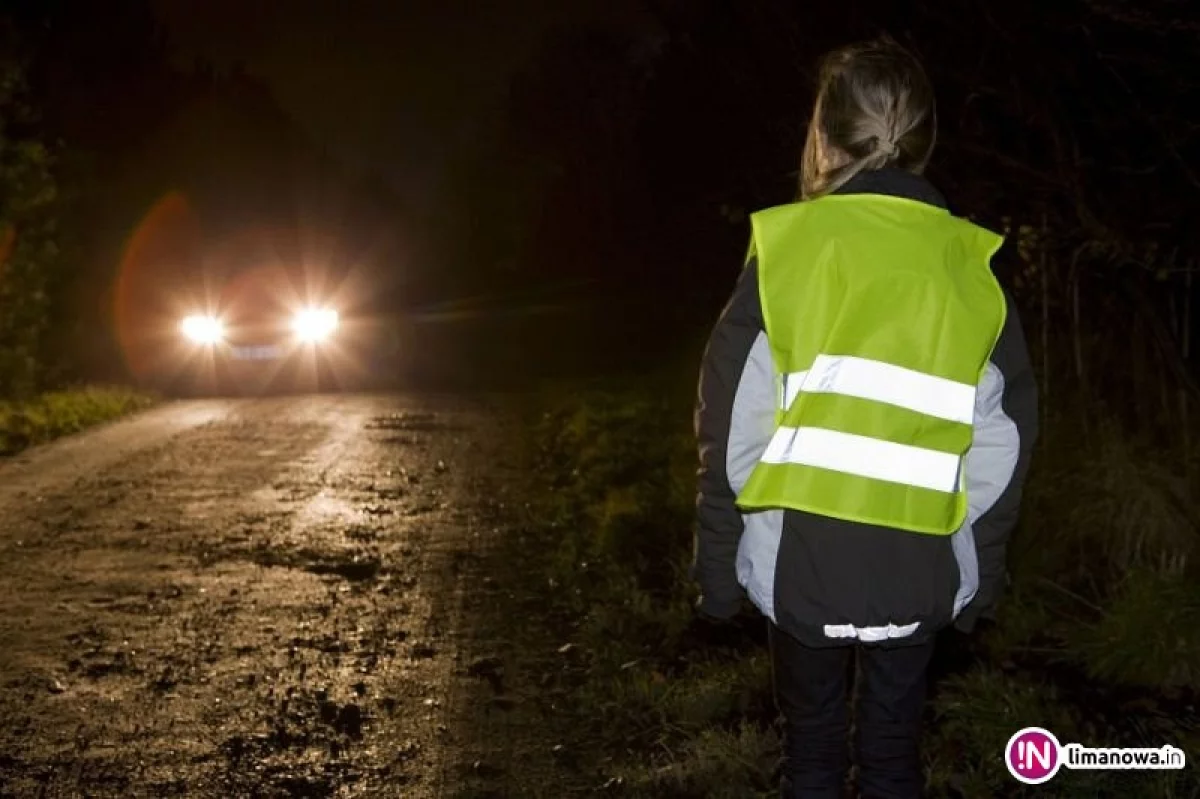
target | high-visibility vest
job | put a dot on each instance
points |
(881, 314)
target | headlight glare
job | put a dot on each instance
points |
(315, 324)
(203, 329)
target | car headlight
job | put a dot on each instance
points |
(315, 324)
(203, 329)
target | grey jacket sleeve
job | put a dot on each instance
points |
(1006, 427)
(719, 523)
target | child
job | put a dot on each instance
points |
(865, 419)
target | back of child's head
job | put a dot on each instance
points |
(874, 108)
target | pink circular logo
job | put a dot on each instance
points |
(1033, 755)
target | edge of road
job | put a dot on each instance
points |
(42, 467)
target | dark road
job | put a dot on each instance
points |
(241, 598)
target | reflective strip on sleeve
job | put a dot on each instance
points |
(864, 456)
(884, 382)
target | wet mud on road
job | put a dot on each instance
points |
(244, 598)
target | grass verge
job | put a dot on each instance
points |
(60, 413)
(1094, 642)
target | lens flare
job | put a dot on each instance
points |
(157, 259)
(203, 329)
(315, 324)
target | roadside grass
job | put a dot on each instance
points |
(1096, 639)
(55, 414)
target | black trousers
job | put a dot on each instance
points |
(811, 692)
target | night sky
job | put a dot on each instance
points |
(389, 87)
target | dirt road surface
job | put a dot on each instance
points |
(258, 597)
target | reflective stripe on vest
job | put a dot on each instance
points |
(883, 382)
(865, 456)
(881, 314)
(861, 455)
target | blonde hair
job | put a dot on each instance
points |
(874, 108)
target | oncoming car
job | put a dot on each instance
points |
(253, 353)
(255, 340)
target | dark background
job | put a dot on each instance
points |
(529, 191)
(528, 188)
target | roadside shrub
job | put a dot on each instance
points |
(1148, 635)
(1102, 502)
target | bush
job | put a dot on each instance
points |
(29, 257)
(1149, 634)
(1110, 502)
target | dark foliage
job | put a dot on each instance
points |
(130, 132)
(632, 158)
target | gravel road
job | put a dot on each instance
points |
(253, 597)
